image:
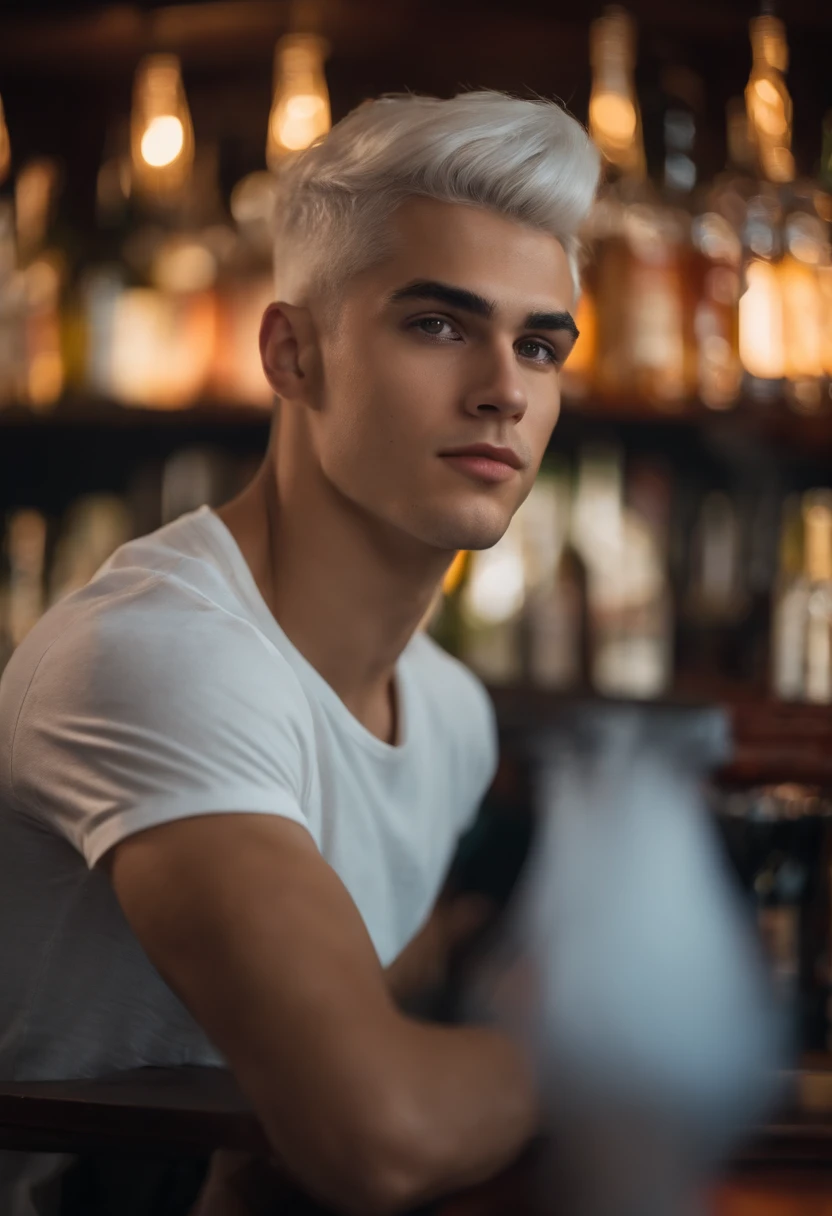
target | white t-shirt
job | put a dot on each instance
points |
(165, 689)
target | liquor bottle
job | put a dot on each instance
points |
(12, 312)
(629, 616)
(639, 271)
(761, 320)
(804, 281)
(93, 528)
(767, 99)
(817, 522)
(491, 609)
(615, 126)
(556, 605)
(791, 594)
(715, 278)
(761, 302)
(45, 270)
(715, 598)
(26, 554)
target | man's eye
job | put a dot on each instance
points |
(433, 326)
(539, 352)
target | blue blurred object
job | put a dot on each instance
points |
(629, 968)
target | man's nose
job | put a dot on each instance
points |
(499, 389)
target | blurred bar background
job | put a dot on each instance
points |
(677, 546)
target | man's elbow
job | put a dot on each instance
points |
(377, 1166)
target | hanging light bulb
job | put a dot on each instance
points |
(300, 111)
(161, 133)
(614, 118)
(5, 146)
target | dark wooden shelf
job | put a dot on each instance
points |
(92, 412)
(774, 424)
(774, 741)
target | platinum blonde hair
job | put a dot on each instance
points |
(527, 160)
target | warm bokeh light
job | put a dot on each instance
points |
(300, 111)
(162, 141)
(614, 121)
(614, 117)
(802, 319)
(162, 347)
(161, 132)
(768, 100)
(761, 322)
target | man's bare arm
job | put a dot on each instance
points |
(369, 1110)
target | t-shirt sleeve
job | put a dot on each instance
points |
(154, 714)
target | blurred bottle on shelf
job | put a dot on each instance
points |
(761, 306)
(245, 289)
(630, 618)
(761, 302)
(92, 529)
(12, 312)
(192, 477)
(715, 279)
(643, 353)
(491, 603)
(25, 545)
(823, 205)
(556, 592)
(817, 523)
(768, 100)
(44, 269)
(803, 270)
(791, 594)
(715, 600)
(614, 116)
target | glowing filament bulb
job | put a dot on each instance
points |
(300, 111)
(162, 138)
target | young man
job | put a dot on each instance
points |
(232, 770)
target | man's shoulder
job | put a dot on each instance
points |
(155, 624)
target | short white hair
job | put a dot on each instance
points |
(530, 161)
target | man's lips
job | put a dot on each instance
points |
(484, 462)
(490, 452)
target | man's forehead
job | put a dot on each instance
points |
(486, 252)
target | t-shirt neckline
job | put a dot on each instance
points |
(247, 587)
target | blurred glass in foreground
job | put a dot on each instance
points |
(629, 970)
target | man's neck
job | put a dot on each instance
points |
(347, 594)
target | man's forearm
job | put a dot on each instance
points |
(475, 1105)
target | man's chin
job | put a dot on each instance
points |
(480, 533)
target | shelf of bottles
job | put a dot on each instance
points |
(624, 574)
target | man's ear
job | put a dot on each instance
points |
(287, 348)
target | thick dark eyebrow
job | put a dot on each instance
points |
(470, 301)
